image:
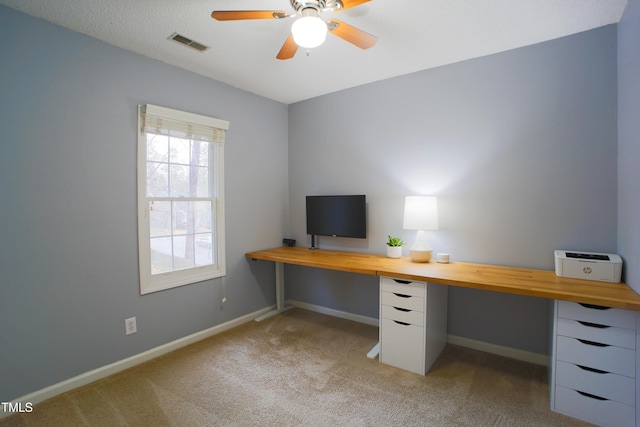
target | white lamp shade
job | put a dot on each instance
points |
(420, 213)
(309, 31)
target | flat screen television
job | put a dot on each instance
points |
(337, 216)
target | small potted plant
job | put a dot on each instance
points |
(394, 247)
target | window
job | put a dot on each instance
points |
(180, 198)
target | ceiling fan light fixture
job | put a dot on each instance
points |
(309, 30)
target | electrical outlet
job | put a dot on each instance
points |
(130, 326)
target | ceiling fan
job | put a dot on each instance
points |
(309, 30)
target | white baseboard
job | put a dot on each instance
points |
(335, 313)
(514, 353)
(113, 368)
(525, 356)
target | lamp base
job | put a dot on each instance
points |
(420, 255)
(420, 251)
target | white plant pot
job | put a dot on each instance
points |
(394, 251)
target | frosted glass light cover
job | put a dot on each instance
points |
(309, 31)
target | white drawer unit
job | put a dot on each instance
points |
(596, 382)
(589, 331)
(597, 314)
(413, 323)
(402, 345)
(593, 409)
(596, 355)
(593, 363)
(404, 301)
(402, 315)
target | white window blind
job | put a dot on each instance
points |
(166, 121)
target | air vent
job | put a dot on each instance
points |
(188, 42)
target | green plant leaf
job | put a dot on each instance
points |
(394, 241)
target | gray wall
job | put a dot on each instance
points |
(68, 231)
(520, 148)
(629, 153)
(629, 143)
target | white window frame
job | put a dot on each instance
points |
(207, 128)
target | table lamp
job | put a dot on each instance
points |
(420, 213)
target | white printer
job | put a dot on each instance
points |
(588, 265)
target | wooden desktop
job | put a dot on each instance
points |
(512, 280)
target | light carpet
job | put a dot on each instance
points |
(302, 368)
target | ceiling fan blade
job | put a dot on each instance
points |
(347, 4)
(351, 34)
(235, 15)
(289, 49)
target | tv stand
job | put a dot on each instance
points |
(313, 242)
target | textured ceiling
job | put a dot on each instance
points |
(412, 36)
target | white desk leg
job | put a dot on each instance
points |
(373, 353)
(279, 286)
(280, 306)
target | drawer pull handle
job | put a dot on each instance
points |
(402, 295)
(593, 396)
(594, 370)
(406, 310)
(594, 307)
(402, 282)
(597, 344)
(402, 323)
(593, 325)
